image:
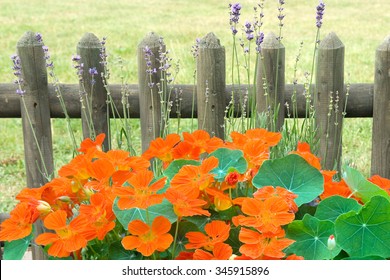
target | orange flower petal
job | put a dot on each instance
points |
(138, 227)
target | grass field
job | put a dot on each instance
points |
(361, 25)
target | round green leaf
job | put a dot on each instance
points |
(366, 233)
(228, 160)
(332, 207)
(147, 216)
(311, 238)
(293, 173)
(360, 186)
(16, 249)
(117, 252)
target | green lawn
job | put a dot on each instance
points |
(361, 26)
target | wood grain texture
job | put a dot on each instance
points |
(271, 81)
(381, 118)
(211, 85)
(94, 118)
(35, 111)
(329, 100)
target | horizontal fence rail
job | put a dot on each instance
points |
(359, 104)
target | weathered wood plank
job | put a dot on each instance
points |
(211, 85)
(271, 81)
(359, 103)
(380, 163)
(329, 100)
(148, 78)
(94, 118)
(35, 119)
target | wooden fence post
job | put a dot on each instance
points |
(271, 81)
(211, 85)
(380, 161)
(329, 100)
(35, 113)
(148, 77)
(94, 117)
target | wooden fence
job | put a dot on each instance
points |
(365, 100)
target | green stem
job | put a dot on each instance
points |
(175, 238)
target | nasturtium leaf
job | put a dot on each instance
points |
(360, 186)
(293, 173)
(147, 216)
(228, 160)
(367, 232)
(117, 252)
(311, 238)
(365, 258)
(16, 249)
(332, 207)
(181, 240)
(176, 165)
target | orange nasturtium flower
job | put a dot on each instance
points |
(269, 191)
(162, 148)
(221, 251)
(303, 149)
(100, 216)
(184, 206)
(141, 193)
(89, 145)
(217, 232)
(266, 216)
(67, 238)
(333, 187)
(191, 179)
(19, 225)
(258, 245)
(381, 182)
(148, 239)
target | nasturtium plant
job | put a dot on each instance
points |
(366, 233)
(228, 161)
(293, 173)
(361, 187)
(311, 238)
(332, 207)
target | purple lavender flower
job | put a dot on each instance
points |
(281, 15)
(195, 48)
(259, 40)
(38, 36)
(78, 66)
(234, 16)
(103, 54)
(320, 13)
(17, 68)
(93, 72)
(249, 31)
(235, 12)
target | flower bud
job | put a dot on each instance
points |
(331, 242)
(64, 198)
(43, 207)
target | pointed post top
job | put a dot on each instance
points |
(331, 41)
(151, 40)
(89, 40)
(271, 42)
(29, 39)
(385, 46)
(210, 41)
